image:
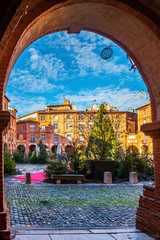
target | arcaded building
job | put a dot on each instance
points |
(62, 124)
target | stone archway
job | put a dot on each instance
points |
(54, 149)
(32, 148)
(132, 149)
(134, 28)
(69, 149)
(21, 150)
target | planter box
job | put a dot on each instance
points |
(97, 169)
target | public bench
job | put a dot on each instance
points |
(61, 177)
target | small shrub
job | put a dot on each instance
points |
(9, 163)
(61, 167)
(29, 154)
(131, 162)
(77, 160)
(42, 155)
(17, 157)
(34, 159)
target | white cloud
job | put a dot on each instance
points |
(50, 65)
(26, 105)
(45, 68)
(122, 99)
(26, 82)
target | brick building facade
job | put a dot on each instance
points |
(138, 141)
(10, 133)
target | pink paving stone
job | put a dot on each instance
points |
(35, 177)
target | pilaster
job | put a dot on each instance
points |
(148, 211)
(5, 231)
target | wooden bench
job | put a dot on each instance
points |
(60, 177)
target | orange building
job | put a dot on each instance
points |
(139, 142)
(10, 135)
(72, 125)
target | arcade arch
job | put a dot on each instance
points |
(21, 150)
(54, 149)
(132, 149)
(32, 148)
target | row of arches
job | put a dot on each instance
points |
(22, 150)
(32, 148)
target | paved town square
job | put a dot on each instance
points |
(42, 205)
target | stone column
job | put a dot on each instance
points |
(5, 231)
(148, 211)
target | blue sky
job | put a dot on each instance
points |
(69, 66)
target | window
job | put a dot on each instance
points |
(32, 127)
(32, 138)
(43, 127)
(118, 137)
(43, 118)
(118, 126)
(69, 138)
(68, 117)
(55, 125)
(117, 116)
(127, 126)
(5, 106)
(144, 112)
(80, 117)
(144, 121)
(92, 117)
(81, 138)
(56, 138)
(90, 126)
(69, 125)
(131, 117)
(24, 127)
(43, 137)
(81, 126)
(55, 117)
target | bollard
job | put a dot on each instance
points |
(28, 178)
(133, 178)
(107, 177)
(58, 181)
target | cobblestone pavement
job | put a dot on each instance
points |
(71, 206)
(32, 168)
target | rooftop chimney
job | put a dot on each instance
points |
(66, 102)
(74, 106)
